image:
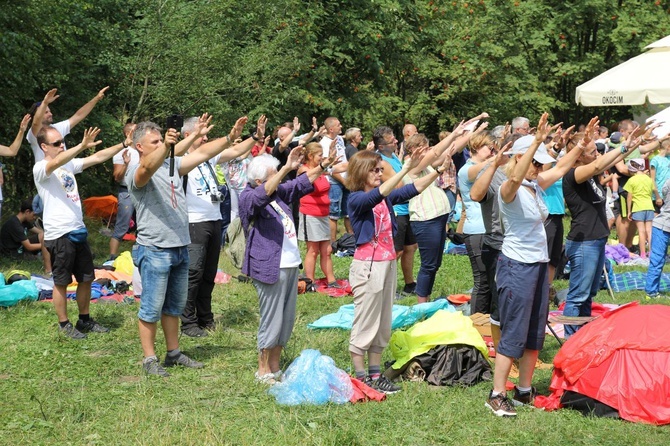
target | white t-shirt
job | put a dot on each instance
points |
(201, 185)
(134, 160)
(63, 127)
(60, 195)
(525, 239)
(341, 153)
(290, 254)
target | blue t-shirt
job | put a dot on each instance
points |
(474, 224)
(662, 166)
(394, 161)
(553, 198)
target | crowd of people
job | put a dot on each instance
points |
(513, 183)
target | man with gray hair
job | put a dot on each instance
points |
(204, 218)
(521, 126)
(161, 250)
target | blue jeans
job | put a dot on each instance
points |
(587, 259)
(659, 246)
(164, 273)
(430, 236)
(338, 196)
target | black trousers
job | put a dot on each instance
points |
(203, 263)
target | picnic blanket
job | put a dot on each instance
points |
(322, 287)
(402, 315)
(635, 280)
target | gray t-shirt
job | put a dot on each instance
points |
(662, 220)
(162, 218)
(491, 212)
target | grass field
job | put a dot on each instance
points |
(93, 392)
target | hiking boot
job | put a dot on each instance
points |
(194, 332)
(500, 405)
(152, 367)
(71, 332)
(409, 288)
(182, 360)
(91, 326)
(521, 398)
(383, 385)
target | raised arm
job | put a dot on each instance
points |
(510, 187)
(14, 147)
(307, 137)
(586, 172)
(87, 108)
(151, 162)
(411, 163)
(66, 156)
(49, 98)
(105, 154)
(481, 185)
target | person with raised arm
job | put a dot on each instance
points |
(65, 234)
(13, 148)
(272, 257)
(42, 117)
(586, 199)
(161, 250)
(523, 290)
(373, 272)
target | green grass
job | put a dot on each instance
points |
(57, 391)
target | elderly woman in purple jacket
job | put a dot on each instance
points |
(272, 257)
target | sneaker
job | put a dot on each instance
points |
(409, 288)
(194, 332)
(71, 332)
(279, 376)
(335, 285)
(91, 326)
(522, 398)
(367, 381)
(500, 405)
(182, 360)
(152, 367)
(210, 328)
(383, 385)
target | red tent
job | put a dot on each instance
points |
(621, 359)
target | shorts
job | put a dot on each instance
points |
(68, 259)
(338, 195)
(553, 226)
(404, 236)
(164, 273)
(314, 229)
(523, 302)
(642, 216)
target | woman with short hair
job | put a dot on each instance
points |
(272, 257)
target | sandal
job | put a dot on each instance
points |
(268, 378)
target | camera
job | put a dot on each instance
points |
(216, 197)
(174, 122)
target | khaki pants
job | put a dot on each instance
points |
(374, 286)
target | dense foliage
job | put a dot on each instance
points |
(369, 62)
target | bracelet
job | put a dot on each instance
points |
(321, 166)
(255, 137)
(437, 169)
(623, 149)
(228, 138)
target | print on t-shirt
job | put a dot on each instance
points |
(68, 183)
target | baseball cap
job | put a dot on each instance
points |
(522, 145)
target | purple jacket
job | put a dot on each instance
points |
(263, 227)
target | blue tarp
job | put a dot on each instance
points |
(10, 295)
(402, 316)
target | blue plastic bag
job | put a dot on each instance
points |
(313, 378)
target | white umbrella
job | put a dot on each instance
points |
(664, 117)
(640, 79)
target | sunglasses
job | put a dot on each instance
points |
(537, 164)
(56, 143)
(377, 170)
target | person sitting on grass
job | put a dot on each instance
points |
(272, 257)
(640, 188)
(14, 238)
(65, 234)
(373, 272)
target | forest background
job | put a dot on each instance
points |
(368, 62)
